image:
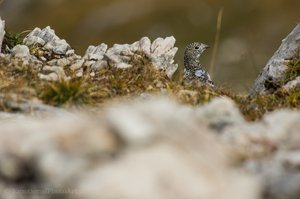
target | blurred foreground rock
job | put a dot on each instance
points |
(143, 149)
(150, 148)
(277, 73)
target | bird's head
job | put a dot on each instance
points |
(195, 49)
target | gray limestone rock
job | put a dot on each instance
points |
(94, 57)
(53, 73)
(273, 74)
(95, 53)
(21, 52)
(160, 53)
(292, 84)
(48, 40)
(54, 52)
(163, 53)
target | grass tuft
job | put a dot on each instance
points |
(66, 93)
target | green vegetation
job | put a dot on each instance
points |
(66, 93)
(293, 69)
(254, 108)
(10, 40)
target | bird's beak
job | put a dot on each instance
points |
(207, 46)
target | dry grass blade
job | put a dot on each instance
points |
(216, 43)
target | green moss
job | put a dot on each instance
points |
(293, 70)
(35, 49)
(10, 40)
(254, 108)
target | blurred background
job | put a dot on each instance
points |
(251, 29)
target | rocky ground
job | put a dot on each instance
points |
(113, 124)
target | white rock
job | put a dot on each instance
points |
(89, 64)
(137, 127)
(52, 62)
(35, 41)
(292, 84)
(135, 46)
(99, 64)
(21, 52)
(58, 46)
(287, 123)
(63, 62)
(77, 65)
(48, 77)
(53, 73)
(119, 56)
(2, 32)
(156, 44)
(274, 73)
(220, 113)
(32, 38)
(48, 40)
(92, 74)
(161, 54)
(42, 58)
(79, 73)
(145, 45)
(168, 171)
(161, 46)
(95, 53)
(70, 52)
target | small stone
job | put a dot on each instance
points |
(52, 62)
(49, 77)
(88, 64)
(79, 73)
(95, 53)
(292, 84)
(43, 58)
(77, 65)
(63, 62)
(220, 113)
(70, 52)
(21, 52)
(99, 64)
(92, 74)
(59, 71)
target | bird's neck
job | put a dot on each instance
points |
(191, 61)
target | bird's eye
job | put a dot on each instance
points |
(197, 47)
